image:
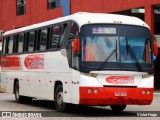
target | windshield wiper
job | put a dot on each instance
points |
(102, 65)
(129, 48)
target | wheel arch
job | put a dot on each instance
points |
(15, 80)
(57, 83)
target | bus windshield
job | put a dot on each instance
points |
(111, 44)
(139, 46)
(99, 48)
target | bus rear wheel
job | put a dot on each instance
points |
(118, 107)
(19, 98)
(59, 104)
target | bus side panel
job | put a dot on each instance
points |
(39, 84)
(58, 69)
(33, 84)
(23, 85)
(8, 80)
(3, 83)
(62, 77)
(75, 86)
(50, 86)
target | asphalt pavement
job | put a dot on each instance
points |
(47, 109)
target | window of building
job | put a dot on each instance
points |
(53, 4)
(20, 42)
(43, 39)
(31, 41)
(56, 36)
(10, 44)
(21, 7)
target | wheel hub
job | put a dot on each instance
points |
(60, 99)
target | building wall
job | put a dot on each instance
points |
(108, 6)
(36, 11)
(0, 14)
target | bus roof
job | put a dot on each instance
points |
(86, 18)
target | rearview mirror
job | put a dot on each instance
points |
(76, 45)
(155, 47)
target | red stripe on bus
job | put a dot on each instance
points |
(11, 62)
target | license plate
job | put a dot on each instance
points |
(120, 93)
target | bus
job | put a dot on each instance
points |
(93, 59)
(1, 32)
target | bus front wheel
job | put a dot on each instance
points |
(118, 107)
(59, 104)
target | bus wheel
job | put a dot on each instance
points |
(19, 98)
(59, 104)
(118, 107)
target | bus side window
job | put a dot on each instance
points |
(43, 39)
(4, 45)
(10, 45)
(55, 37)
(74, 31)
(64, 29)
(21, 38)
(31, 41)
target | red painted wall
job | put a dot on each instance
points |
(0, 14)
(36, 11)
(40, 11)
(108, 6)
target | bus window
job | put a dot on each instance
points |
(73, 33)
(4, 45)
(20, 42)
(10, 45)
(31, 41)
(64, 29)
(43, 39)
(56, 35)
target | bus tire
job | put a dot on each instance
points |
(118, 107)
(19, 98)
(59, 104)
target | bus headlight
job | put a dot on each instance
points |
(148, 92)
(96, 91)
(89, 90)
(143, 92)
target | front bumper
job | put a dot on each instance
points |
(106, 96)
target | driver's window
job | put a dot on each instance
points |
(74, 32)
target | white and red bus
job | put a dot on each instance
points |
(84, 58)
(1, 33)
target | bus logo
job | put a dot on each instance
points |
(120, 79)
(34, 61)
